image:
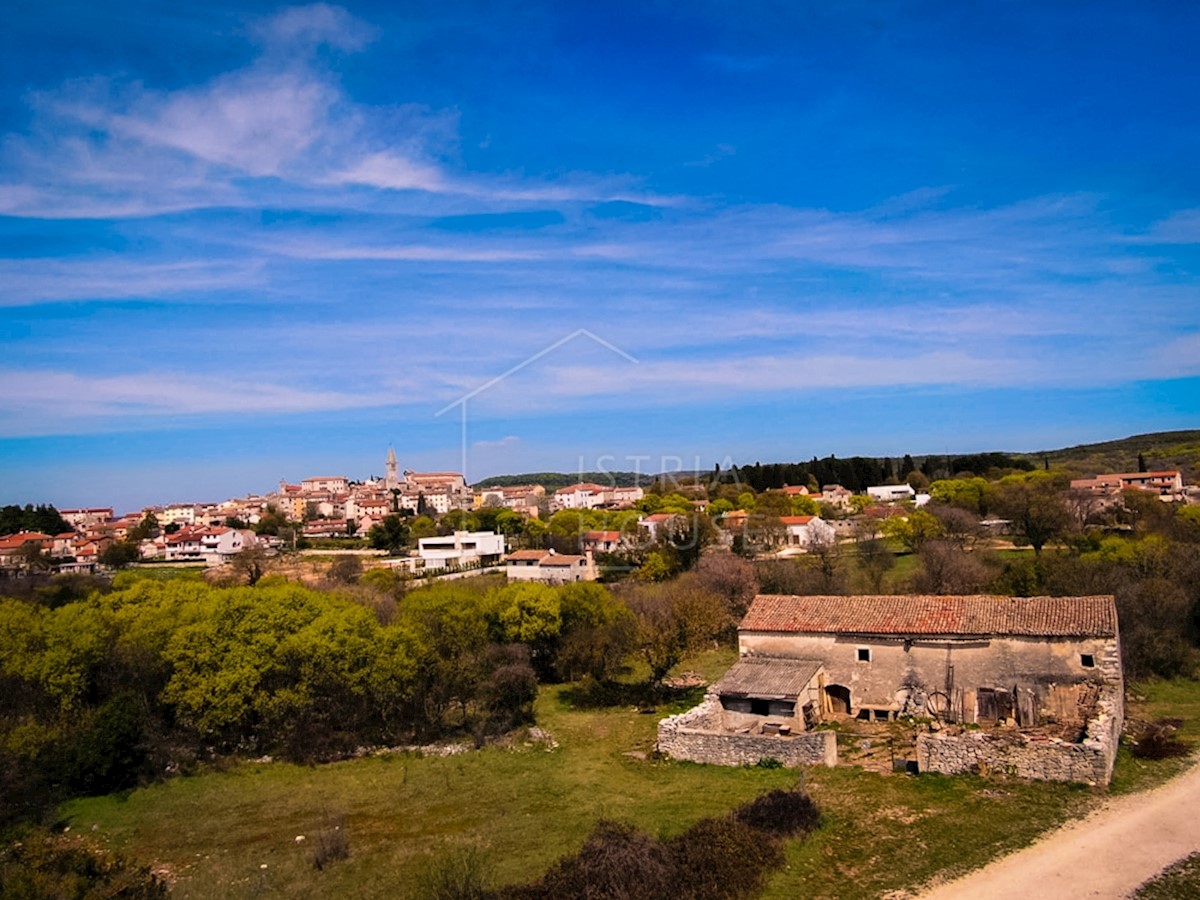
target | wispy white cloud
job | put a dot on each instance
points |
(312, 26)
(40, 401)
(33, 281)
(404, 253)
(1182, 227)
(105, 148)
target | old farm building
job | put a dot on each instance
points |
(1040, 676)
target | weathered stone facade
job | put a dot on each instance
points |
(699, 735)
(1029, 755)
(975, 659)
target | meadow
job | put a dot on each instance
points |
(511, 811)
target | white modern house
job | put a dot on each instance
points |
(461, 548)
(890, 493)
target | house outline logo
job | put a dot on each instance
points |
(463, 401)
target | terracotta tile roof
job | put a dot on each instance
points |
(562, 559)
(602, 535)
(527, 554)
(796, 520)
(585, 486)
(756, 676)
(932, 615)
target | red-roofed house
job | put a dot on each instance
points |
(549, 567)
(1168, 484)
(1046, 669)
(600, 541)
(804, 532)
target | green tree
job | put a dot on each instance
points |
(675, 619)
(802, 505)
(250, 563)
(422, 527)
(119, 554)
(1034, 507)
(391, 533)
(913, 530)
(271, 523)
(145, 529)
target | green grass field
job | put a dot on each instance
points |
(233, 834)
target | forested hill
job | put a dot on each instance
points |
(552, 481)
(1160, 450)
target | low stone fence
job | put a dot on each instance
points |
(1030, 756)
(695, 736)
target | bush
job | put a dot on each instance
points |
(722, 859)
(112, 754)
(458, 875)
(616, 862)
(330, 843)
(37, 864)
(784, 813)
(1157, 741)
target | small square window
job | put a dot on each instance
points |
(1087, 660)
(864, 654)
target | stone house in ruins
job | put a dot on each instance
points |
(1041, 676)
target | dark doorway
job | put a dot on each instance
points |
(994, 704)
(839, 698)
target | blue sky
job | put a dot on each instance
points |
(245, 242)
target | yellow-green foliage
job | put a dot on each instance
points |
(973, 494)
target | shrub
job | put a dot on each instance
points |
(616, 862)
(780, 812)
(458, 875)
(38, 864)
(722, 859)
(330, 843)
(1157, 741)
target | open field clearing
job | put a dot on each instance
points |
(233, 834)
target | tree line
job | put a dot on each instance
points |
(102, 687)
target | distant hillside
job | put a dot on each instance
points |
(554, 480)
(1162, 450)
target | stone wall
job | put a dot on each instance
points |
(696, 736)
(1028, 755)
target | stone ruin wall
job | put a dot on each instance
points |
(1089, 761)
(697, 736)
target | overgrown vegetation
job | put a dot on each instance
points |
(102, 692)
(37, 864)
(1180, 881)
(718, 858)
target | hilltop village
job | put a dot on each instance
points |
(977, 617)
(426, 521)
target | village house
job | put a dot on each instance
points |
(890, 493)
(1041, 676)
(81, 519)
(461, 548)
(1168, 485)
(578, 496)
(325, 484)
(658, 525)
(549, 567)
(523, 498)
(600, 541)
(806, 532)
(836, 496)
(14, 549)
(586, 495)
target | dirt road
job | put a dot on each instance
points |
(1108, 854)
